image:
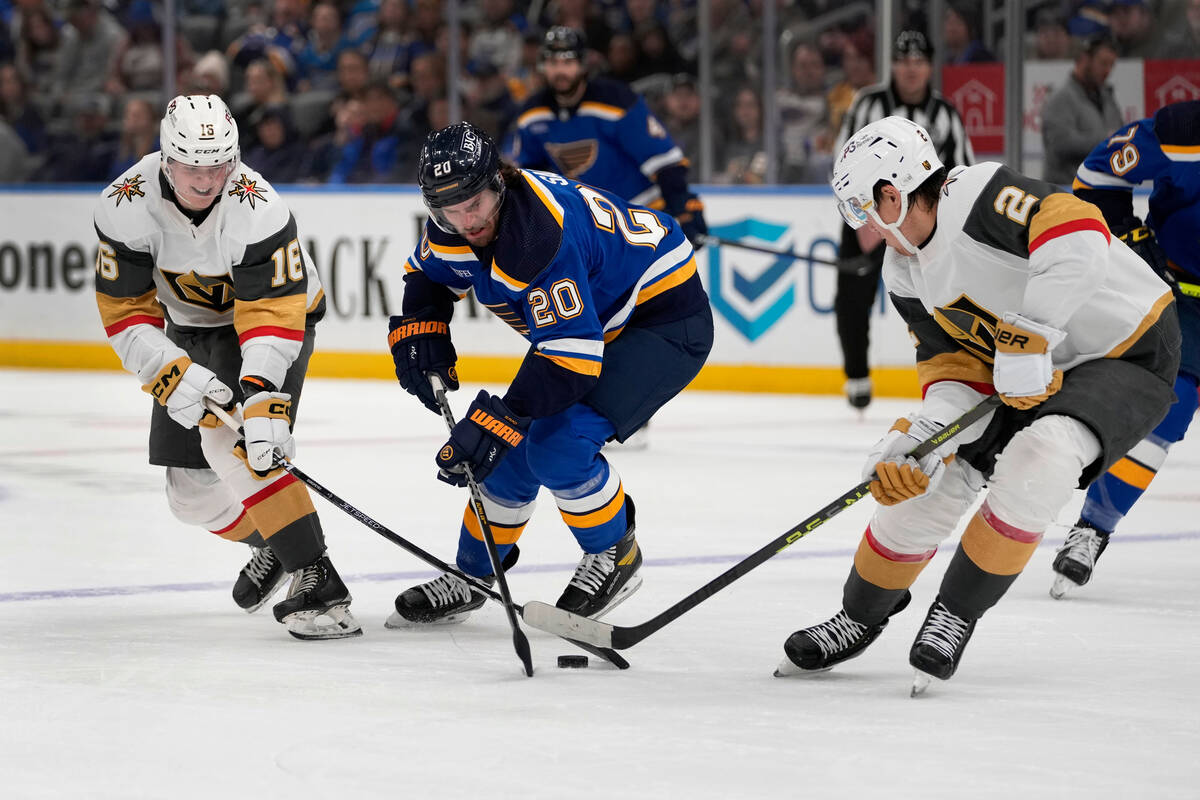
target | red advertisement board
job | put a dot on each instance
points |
(1169, 82)
(977, 91)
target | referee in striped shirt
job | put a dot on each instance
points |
(910, 95)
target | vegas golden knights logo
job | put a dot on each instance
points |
(207, 291)
(574, 158)
(971, 325)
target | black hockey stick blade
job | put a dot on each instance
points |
(387, 533)
(858, 265)
(601, 634)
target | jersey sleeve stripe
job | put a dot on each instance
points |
(1178, 152)
(1061, 214)
(583, 366)
(652, 165)
(509, 281)
(960, 366)
(602, 110)
(119, 313)
(583, 348)
(1094, 179)
(270, 316)
(1147, 321)
(537, 114)
(317, 298)
(556, 210)
(670, 280)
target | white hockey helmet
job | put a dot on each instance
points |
(198, 131)
(893, 149)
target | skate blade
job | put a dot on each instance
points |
(1062, 584)
(268, 595)
(920, 683)
(624, 594)
(396, 622)
(787, 669)
(307, 625)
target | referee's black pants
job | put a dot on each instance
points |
(852, 306)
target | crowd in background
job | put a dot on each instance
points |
(344, 91)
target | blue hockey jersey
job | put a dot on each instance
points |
(570, 268)
(1163, 150)
(610, 140)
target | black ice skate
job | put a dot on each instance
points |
(858, 392)
(259, 579)
(604, 580)
(445, 600)
(1076, 559)
(818, 648)
(318, 604)
(939, 645)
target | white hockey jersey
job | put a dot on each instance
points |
(1004, 242)
(240, 263)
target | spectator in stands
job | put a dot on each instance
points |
(682, 119)
(389, 45)
(138, 62)
(1081, 112)
(745, 151)
(264, 87)
(14, 158)
(427, 78)
(735, 37)
(323, 153)
(209, 75)
(960, 32)
(289, 27)
(804, 118)
(656, 54)
(858, 70)
(20, 114)
(1052, 40)
(352, 74)
(139, 135)
(37, 50)
(279, 154)
(582, 16)
(527, 78)
(622, 58)
(90, 41)
(375, 153)
(488, 102)
(317, 61)
(426, 24)
(1183, 41)
(85, 152)
(497, 38)
(1132, 23)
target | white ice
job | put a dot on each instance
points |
(126, 671)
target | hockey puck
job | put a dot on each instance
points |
(572, 662)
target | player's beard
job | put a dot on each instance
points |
(570, 88)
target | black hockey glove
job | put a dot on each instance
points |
(691, 219)
(1142, 241)
(421, 344)
(480, 440)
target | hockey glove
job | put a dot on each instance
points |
(1024, 373)
(182, 386)
(267, 428)
(480, 440)
(421, 344)
(1142, 241)
(691, 220)
(896, 476)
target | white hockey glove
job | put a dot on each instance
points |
(896, 477)
(267, 428)
(182, 385)
(1024, 373)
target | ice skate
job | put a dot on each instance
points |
(259, 579)
(939, 645)
(818, 648)
(1076, 559)
(858, 393)
(604, 580)
(445, 600)
(318, 604)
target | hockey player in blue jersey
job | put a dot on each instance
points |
(1164, 151)
(600, 132)
(608, 296)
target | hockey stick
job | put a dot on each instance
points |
(608, 655)
(858, 265)
(568, 625)
(520, 641)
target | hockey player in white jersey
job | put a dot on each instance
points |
(1010, 286)
(203, 286)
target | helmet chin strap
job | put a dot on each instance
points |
(894, 227)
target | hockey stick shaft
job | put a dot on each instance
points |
(563, 623)
(387, 533)
(841, 266)
(520, 641)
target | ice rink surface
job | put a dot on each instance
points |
(128, 672)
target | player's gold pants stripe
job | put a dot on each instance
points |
(875, 568)
(1132, 473)
(503, 534)
(598, 517)
(995, 547)
(1151, 318)
(241, 529)
(278, 505)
